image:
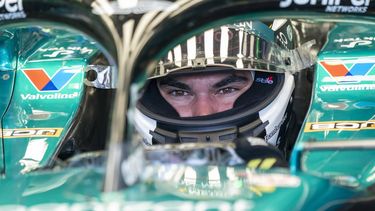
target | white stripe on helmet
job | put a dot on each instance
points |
(224, 43)
(191, 50)
(209, 46)
(239, 63)
(178, 55)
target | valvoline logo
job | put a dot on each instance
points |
(348, 72)
(44, 83)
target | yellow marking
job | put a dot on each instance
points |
(267, 163)
(259, 190)
(31, 132)
(253, 164)
(266, 189)
(255, 190)
(349, 125)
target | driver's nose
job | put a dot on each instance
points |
(203, 106)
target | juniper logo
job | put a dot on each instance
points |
(43, 83)
(287, 3)
(11, 9)
(11, 5)
(352, 6)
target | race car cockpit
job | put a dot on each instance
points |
(221, 104)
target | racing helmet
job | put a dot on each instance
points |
(263, 110)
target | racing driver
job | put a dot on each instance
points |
(228, 83)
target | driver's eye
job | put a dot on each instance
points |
(226, 90)
(178, 93)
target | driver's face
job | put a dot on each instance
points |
(203, 94)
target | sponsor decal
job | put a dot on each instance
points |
(62, 51)
(339, 125)
(275, 129)
(254, 27)
(11, 9)
(273, 180)
(347, 72)
(353, 6)
(284, 33)
(338, 88)
(353, 42)
(49, 96)
(43, 83)
(283, 39)
(121, 7)
(31, 132)
(206, 190)
(267, 80)
(356, 43)
(244, 26)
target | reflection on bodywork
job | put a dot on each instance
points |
(219, 181)
(36, 148)
(100, 76)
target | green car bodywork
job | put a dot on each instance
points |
(330, 163)
(342, 108)
(42, 75)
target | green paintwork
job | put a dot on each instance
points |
(8, 61)
(30, 108)
(72, 189)
(350, 103)
(79, 188)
